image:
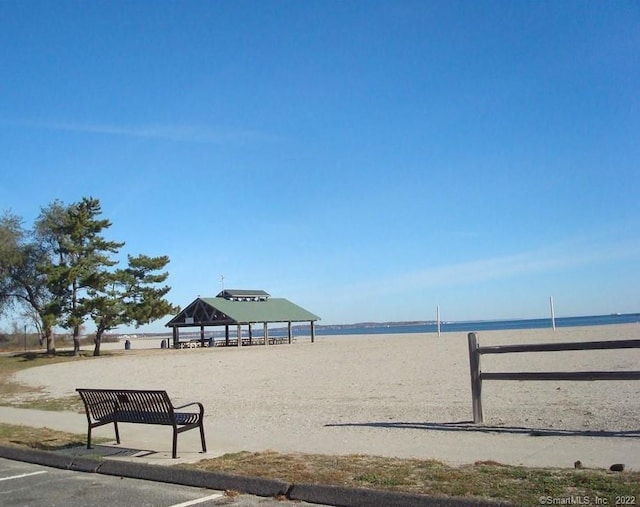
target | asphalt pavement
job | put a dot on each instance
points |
(32, 485)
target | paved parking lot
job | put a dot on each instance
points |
(26, 485)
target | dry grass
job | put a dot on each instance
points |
(21, 396)
(38, 438)
(488, 481)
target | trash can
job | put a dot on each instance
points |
(163, 344)
(127, 345)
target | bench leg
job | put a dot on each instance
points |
(89, 437)
(204, 445)
(115, 424)
(174, 451)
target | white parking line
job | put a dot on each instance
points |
(22, 475)
(198, 500)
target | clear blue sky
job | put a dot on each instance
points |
(368, 160)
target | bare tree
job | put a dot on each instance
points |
(22, 277)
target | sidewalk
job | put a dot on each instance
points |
(144, 443)
(454, 444)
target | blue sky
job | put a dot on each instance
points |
(368, 160)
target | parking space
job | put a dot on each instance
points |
(26, 485)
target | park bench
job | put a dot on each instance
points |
(106, 406)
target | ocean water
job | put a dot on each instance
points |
(479, 325)
(432, 327)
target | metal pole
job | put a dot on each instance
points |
(553, 314)
(438, 315)
(25, 337)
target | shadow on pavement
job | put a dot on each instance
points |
(468, 426)
(106, 451)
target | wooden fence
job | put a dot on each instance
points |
(477, 376)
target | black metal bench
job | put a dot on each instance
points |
(106, 406)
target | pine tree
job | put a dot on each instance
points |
(83, 258)
(130, 296)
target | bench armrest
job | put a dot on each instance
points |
(191, 404)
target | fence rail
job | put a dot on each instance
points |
(477, 376)
(553, 347)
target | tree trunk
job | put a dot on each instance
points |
(97, 341)
(51, 345)
(76, 340)
(51, 341)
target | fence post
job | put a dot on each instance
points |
(476, 378)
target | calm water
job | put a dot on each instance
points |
(483, 325)
(432, 327)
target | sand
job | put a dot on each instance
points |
(405, 395)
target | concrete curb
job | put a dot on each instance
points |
(312, 493)
(49, 459)
(361, 497)
(198, 478)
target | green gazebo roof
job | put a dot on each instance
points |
(232, 307)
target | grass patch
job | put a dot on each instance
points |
(38, 438)
(483, 480)
(23, 396)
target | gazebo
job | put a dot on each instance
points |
(237, 308)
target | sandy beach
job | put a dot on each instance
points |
(404, 395)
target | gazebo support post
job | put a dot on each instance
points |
(250, 334)
(176, 337)
(313, 331)
(202, 336)
(239, 335)
(290, 332)
(266, 334)
(226, 335)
